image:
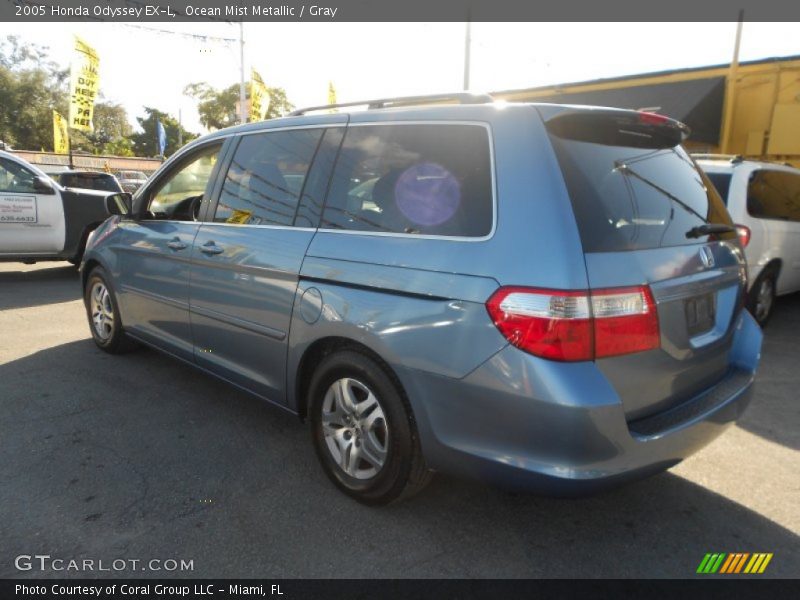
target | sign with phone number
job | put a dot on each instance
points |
(18, 209)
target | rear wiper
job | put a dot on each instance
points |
(709, 229)
(626, 170)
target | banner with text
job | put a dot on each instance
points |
(84, 84)
(60, 134)
(259, 97)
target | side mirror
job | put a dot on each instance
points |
(43, 185)
(119, 204)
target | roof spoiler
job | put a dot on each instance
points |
(615, 127)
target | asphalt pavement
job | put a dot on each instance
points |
(139, 457)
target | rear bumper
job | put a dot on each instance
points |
(559, 428)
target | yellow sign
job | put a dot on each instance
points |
(332, 96)
(84, 85)
(259, 97)
(60, 134)
(239, 217)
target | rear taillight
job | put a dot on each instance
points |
(576, 325)
(744, 235)
(651, 118)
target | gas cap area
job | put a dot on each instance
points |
(311, 305)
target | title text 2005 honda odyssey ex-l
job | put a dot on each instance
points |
(539, 296)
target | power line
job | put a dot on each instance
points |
(194, 36)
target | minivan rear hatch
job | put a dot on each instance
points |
(649, 219)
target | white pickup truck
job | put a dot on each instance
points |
(40, 220)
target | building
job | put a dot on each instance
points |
(50, 162)
(765, 96)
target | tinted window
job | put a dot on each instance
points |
(89, 181)
(265, 178)
(15, 178)
(414, 179)
(178, 194)
(774, 195)
(310, 209)
(721, 181)
(631, 198)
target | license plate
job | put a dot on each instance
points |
(701, 313)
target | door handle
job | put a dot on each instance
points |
(176, 244)
(211, 248)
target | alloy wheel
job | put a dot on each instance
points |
(102, 311)
(764, 300)
(354, 428)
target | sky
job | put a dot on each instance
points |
(150, 64)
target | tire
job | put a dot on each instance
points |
(357, 406)
(103, 314)
(761, 299)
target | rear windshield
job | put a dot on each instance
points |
(721, 181)
(634, 197)
(90, 182)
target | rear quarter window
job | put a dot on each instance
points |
(774, 195)
(432, 179)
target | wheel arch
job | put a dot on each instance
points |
(316, 352)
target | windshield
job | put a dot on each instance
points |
(632, 198)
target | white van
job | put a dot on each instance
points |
(763, 197)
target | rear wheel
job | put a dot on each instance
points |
(363, 431)
(103, 314)
(762, 297)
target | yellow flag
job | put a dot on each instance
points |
(60, 134)
(332, 96)
(259, 97)
(84, 85)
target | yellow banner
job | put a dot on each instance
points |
(331, 93)
(84, 84)
(60, 134)
(259, 97)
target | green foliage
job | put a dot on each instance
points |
(146, 142)
(118, 147)
(217, 108)
(32, 86)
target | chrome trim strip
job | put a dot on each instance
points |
(711, 281)
(308, 229)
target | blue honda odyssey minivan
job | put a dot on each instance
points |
(538, 296)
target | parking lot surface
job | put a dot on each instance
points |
(142, 457)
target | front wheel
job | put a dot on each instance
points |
(103, 314)
(362, 430)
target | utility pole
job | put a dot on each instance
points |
(730, 90)
(467, 47)
(242, 107)
(180, 128)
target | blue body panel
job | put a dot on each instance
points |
(482, 407)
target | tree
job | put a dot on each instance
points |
(31, 87)
(217, 108)
(110, 134)
(146, 144)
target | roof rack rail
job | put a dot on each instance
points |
(458, 97)
(734, 158)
